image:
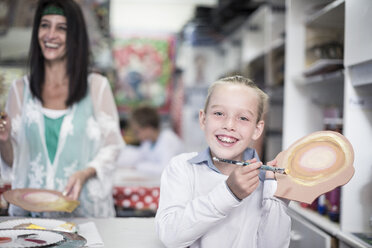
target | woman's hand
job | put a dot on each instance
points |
(5, 127)
(6, 148)
(244, 179)
(77, 181)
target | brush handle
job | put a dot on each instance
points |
(263, 167)
(271, 168)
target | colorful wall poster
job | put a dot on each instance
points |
(144, 68)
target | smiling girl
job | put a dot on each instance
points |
(204, 203)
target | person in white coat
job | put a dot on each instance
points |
(157, 145)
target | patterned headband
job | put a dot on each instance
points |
(53, 10)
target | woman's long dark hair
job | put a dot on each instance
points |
(77, 51)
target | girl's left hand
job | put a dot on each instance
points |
(270, 174)
(76, 183)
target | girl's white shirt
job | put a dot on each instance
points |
(196, 209)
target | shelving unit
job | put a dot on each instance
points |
(322, 225)
(325, 78)
(324, 89)
(262, 38)
(303, 114)
(263, 61)
(358, 47)
(306, 97)
(310, 86)
(329, 16)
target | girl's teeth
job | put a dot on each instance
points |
(226, 139)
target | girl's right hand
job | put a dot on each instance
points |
(244, 179)
(4, 127)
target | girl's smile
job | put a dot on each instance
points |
(226, 139)
(230, 121)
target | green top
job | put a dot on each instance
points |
(52, 128)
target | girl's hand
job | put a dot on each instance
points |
(244, 179)
(270, 174)
(76, 183)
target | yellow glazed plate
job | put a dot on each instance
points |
(315, 164)
(40, 200)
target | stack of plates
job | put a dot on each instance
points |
(37, 232)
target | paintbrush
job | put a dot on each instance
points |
(263, 167)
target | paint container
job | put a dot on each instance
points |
(322, 206)
(333, 199)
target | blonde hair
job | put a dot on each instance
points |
(262, 96)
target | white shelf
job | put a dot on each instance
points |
(322, 65)
(255, 57)
(361, 74)
(336, 77)
(331, 16)
(319, 220)
(326, 225)
(277, 43)
(260, 53)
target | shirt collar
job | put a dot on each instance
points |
(204, 157)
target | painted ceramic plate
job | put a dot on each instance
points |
(72, 240)
(40, 200)
(318, 157)
(39, 223)
(28, 238)
(315, 164)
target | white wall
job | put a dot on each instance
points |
(15, 44)
(152, 15)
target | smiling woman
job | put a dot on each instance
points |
(61, 128)
(52, 37)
